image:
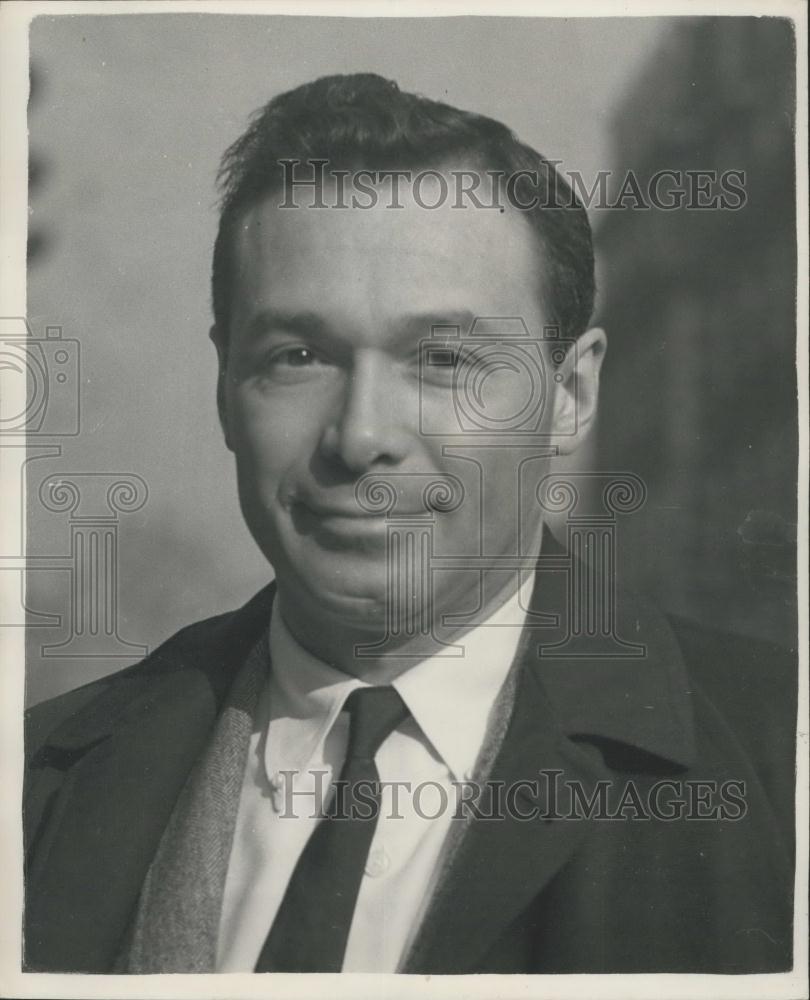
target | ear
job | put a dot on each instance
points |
(576, 391)
(219, 341)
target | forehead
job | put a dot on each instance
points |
(384, 261)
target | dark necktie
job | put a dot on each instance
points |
(311, 928)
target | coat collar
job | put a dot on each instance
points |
(202, 657)
(629, 687)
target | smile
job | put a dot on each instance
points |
(340, 525)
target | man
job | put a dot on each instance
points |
(400, 358)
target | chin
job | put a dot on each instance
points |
(339, 593)
(365, 610)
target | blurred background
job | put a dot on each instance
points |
(128, 118)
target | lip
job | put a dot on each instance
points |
(353, 512)
(340, 523)
(341, 513)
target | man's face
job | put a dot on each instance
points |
(323, 385)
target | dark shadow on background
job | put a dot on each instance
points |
(699, 388)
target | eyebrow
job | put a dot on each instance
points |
(314, 325)
(424, 323)
(303, 322)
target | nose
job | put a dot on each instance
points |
(368, 430)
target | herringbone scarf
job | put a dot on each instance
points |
(177, 921)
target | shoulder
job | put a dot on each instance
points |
(752, 684)
(752, 678)
(203, 643)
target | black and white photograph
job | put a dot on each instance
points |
(404, 526)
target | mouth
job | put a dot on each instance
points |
(339, 526)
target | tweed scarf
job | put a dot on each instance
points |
(177, 920)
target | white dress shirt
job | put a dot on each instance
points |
(301, 728)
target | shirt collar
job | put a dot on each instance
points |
(305, 691)
(449, 697)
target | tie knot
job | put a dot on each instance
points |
(374, 713)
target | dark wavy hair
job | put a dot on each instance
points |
(363, 121)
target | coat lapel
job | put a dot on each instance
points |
(502, 863)
(118, 767)
(566, 717)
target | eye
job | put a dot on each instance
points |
(292, 363)
(293, 357)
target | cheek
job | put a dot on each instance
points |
(272, 433)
